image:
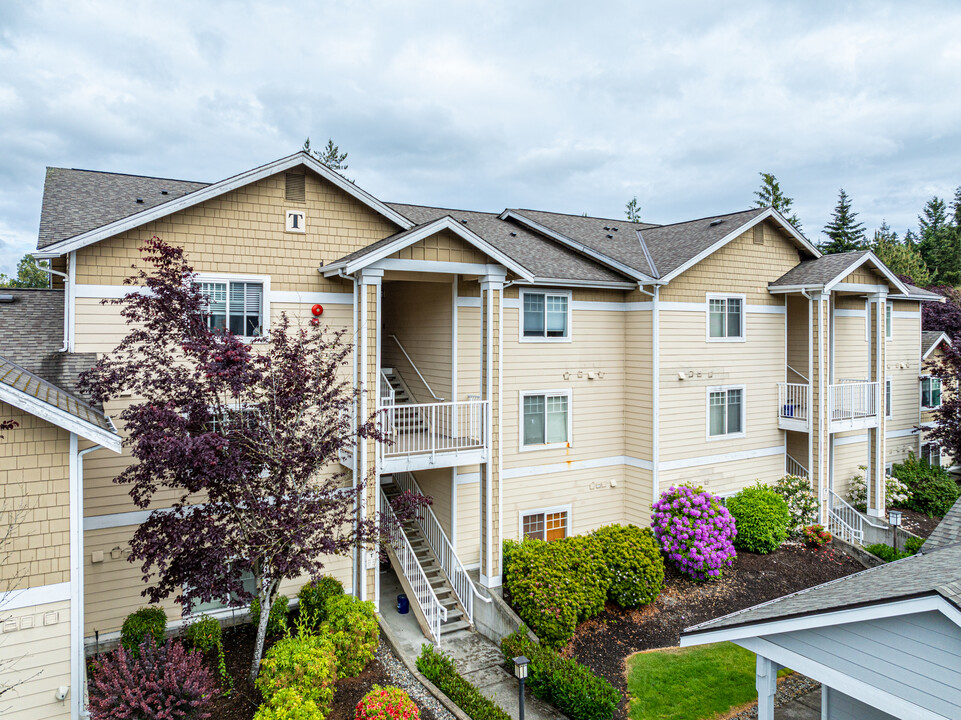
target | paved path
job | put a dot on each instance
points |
(806, 707)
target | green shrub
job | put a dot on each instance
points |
(312, 600)
(801, 501)
(277, 620)
(138, 625)
(440, 670)
(761, 517)
(289, 704)
(896, 493)
(307, 664)
(353, 630)
(933, 491)
(635, 568)
(508, 547)
(913, 545)
(205, 635)
(553, 585)
(566, 684)
(886, 552)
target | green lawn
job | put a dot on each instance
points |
(690, 683)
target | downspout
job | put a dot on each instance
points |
(66, 299)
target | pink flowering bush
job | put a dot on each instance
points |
(695, 531)
(386, 703)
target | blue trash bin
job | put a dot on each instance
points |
(403, 604)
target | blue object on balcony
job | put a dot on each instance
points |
(403, 604)
(787, 411)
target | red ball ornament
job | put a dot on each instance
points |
(317, 309)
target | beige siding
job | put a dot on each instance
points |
(437, 484)
(445, 246)
(639, 385)
(850, 453)
(726, 478)
(798, 338)
(903, 367)
(467, 527)
(44, 663)
(852, 350)
(638, 495)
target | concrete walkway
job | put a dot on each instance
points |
(805, 707)
(477, 658)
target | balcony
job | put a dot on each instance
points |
(794, 403)
(433, 435)
(854, 405)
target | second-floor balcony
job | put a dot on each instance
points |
(430, 435)
(852, 405)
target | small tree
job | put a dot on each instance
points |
(632, 211)
(29, 275)
(770, 195)
(243, 436)
(845, 233)
(901, 258)
(331, 156)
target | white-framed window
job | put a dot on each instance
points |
(235, 303)
(931, 454)
(888, 468)
(930, 392)
(888, 326)
(545, 316)
(725, 412)
(725, 318)
(247, 580)
(547, 524)
(546, 419)
(887, 397)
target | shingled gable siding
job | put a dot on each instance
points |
(445, 246)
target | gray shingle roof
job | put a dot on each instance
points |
(76, 201)
(921, 292)
(35, 387)
(820, 271)
(928, 340)
(948, 531)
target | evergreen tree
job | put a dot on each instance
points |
(770, 195)
(632, 211)
(940, 243)
(845, 233)
(331, 156)
(900, 257)
(28, 274)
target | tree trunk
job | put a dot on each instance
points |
(266, 603)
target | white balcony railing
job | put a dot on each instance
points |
(429, 428)
(794, 401)
(853, 400)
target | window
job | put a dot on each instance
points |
(546, 315)
(247, 580)
(931, 454)
(725, 411)
(545, 525)
(930, 392)
(888, 330)
(725, 318)
(237, 306)
(887, 397)
(546, 419)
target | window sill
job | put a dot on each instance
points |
(726, 436)
(546, 446)
(726, 339)
(527, 339)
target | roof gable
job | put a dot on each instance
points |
(831, 271)
(931, 340)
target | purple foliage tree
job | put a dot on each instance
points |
(240, 440)
(946, 431)
(944, 316)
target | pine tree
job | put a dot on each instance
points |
(28, 274)
(845, 233)
(770, 195)
(632, 211)
(331, 156)
(940, 243)
(900, 257)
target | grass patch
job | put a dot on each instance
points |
(694, 683)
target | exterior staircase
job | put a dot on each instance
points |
(400, 395)
(440, 584)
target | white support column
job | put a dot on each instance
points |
(875, 490)
(766, 684)
(821, 430)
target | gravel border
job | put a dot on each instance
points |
(788, 689)
(402, 677)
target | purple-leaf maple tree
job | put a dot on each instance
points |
(946, 429)
(239, 441)
(945, 316)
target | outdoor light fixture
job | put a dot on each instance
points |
(894, 517)
(520, 670)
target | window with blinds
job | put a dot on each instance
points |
(545, 419)
(546, 315)
(235, 306)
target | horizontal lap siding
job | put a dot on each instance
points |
(726, 478)
(436, 484)
(639, 396)
(638, 496)
(43, 664)
(903, 366)
(467, 532)
(848, 457)
(419, 314)
(798, 338)
(468, 347)
(851, 349)
(844, 707)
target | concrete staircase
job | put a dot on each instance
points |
(456, 617)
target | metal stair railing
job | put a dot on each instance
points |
(793, 467)
(386, 390)
(463, 586)
(427, 601)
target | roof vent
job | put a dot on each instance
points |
(463, 222)
(295, 187)
(140, 201)
(614, 229)
(715, 223)
(513, 234)
(609, 235)
(6, 298)
(164, 192)
(606, 227)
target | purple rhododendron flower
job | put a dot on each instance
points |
(695, 531)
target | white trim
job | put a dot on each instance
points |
(453, 342)
(656, 391)
(726, 435)
(77, 657)
(310, 298)
(473, 302)
(644, 305)
(707, 317)
(850, 313)
(568, 529)
(521, 337)
(115, 520)
(856, 287)
(217, 189)
(888, 389)
(432, 266)
(33, 596)
(569, 282)
(228, 278)
(60, 418)
(929, 376)
(70, 321)
(724, 457)
(113, 292)
(888, 321)
(905, 314)
(466, 478)
(568, 393)
(943, 337)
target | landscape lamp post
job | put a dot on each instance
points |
(520, 670)
(894, 517)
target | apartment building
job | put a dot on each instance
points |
(539, 374)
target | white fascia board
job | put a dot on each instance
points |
(943, 337)
(779, 289)
(737, 232)
(580, 247)
(219, 188)
(60, 418)
(828, 618)
(566, 282)
(878, 265)
(39, 595)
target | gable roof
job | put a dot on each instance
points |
(930, 339)
(825, 272)
(948, 531)
(32, 394)
(73, 190)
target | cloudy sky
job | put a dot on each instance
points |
(565, 106)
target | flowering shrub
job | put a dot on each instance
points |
(386, 703)
(353, 630)
(165, 682)
(147, 621)
(305, 663)
(815, 536)
(801, 501)
(896, 493)
(635, 568)
(695, 531)
(761, 517)
(313, 598)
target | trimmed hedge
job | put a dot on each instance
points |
(352, 628)
(886, 552)
(312, 600)
(146, 622)
(761, 517)
(635, 568)
(306, 664)
(440, 670)
(933, 490)
(277, 619)
(289, 704)
(566, 684)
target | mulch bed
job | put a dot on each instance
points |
(604, 642)
(918, 523)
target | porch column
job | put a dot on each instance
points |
(875, 483)
(821, 419)
(491, 288)
(766, 683)
(368, 460)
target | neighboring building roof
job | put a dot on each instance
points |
(33, 394)
(820, 271)
(948, 531)
(930, 339)
(916, 293)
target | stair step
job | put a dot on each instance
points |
(450, 627)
